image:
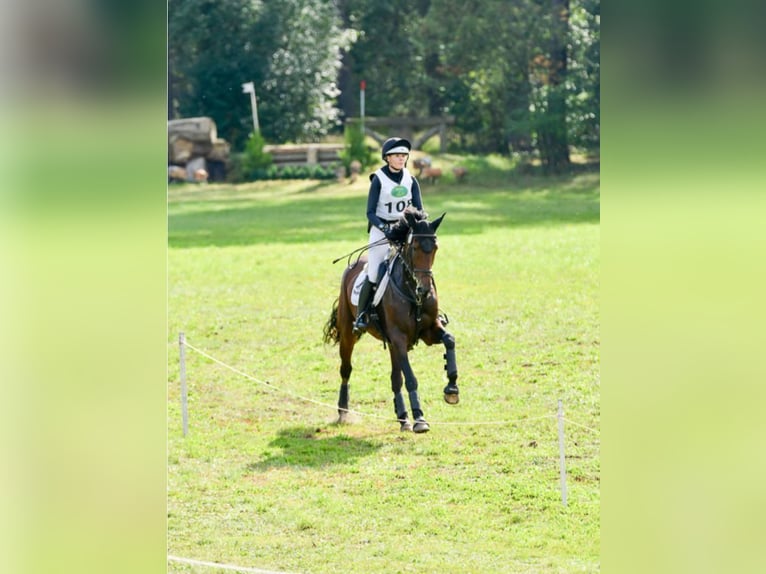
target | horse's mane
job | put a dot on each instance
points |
(410, 217)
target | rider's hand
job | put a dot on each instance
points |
(388, 232)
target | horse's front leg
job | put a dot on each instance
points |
(439, 334)
(399, 357)
(451, 391)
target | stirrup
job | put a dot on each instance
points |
(360, 324)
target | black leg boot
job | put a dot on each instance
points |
(365, 297)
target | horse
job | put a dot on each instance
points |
(407, 313)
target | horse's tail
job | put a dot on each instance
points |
(331, 334)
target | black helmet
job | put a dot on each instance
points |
(395, 145)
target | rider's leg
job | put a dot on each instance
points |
(375, 256)
(365, 296)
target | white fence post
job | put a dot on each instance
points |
(184, 411)
(562, 460)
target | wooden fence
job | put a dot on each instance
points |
(304, 154)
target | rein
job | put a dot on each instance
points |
(360, 250)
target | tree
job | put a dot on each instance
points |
(386, 55)
(211, 52)
(518, 75)
(481, 70)
(290, 49)
(300, 90)
(584, 96)
(551, 108)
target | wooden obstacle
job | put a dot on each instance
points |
(194, 145)
(406, 127)
(303, 154)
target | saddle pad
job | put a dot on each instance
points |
(382, 284)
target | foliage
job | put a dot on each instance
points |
(487, 63)
(584, 97)
(254, 157)
(300, 90)
(267, 480)
(387, 55)
(495, 68)
(297, 172)
(211, 52)
(289, 49)
(521, 76)
(355, 147)
(240, 171)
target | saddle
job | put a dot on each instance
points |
(384, 274)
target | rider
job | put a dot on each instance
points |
(392, 189)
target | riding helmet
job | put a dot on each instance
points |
(395, 145)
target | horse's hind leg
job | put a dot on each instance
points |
(346, 348)
(346, 340)
(451, 391)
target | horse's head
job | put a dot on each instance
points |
(420, 247)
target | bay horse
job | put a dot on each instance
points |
(407, 313)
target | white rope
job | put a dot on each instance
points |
(223, 566)
(509, 422)
(361, 414)
(579, 425)
(267, 384)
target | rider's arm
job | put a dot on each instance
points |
(372, 205)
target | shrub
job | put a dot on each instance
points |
(255, 160)
(235, 169)
(355, 148)
(241, 168)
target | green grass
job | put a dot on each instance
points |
(267, 480)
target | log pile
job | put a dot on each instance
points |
(193, 144)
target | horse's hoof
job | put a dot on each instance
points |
(451, 398)
(342, 418)
(451, 394)
(406, 426)
(421, 425)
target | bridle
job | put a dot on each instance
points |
(417, 294)
(410, 248)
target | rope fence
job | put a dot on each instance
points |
(559, 416)
(220, 566)
(184, 344)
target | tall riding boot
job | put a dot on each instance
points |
(365, 297)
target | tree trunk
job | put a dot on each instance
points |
(554, 146)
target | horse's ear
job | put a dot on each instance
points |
(436, 222)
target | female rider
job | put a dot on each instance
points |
(392, 189)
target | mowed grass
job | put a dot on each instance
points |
(267, 480)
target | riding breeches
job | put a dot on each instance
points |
(376, 254)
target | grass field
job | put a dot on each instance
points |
(267, 480)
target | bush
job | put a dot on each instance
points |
(253, 164)
(293, 172)
(355, 149)
(255, 160)
(234, 168)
